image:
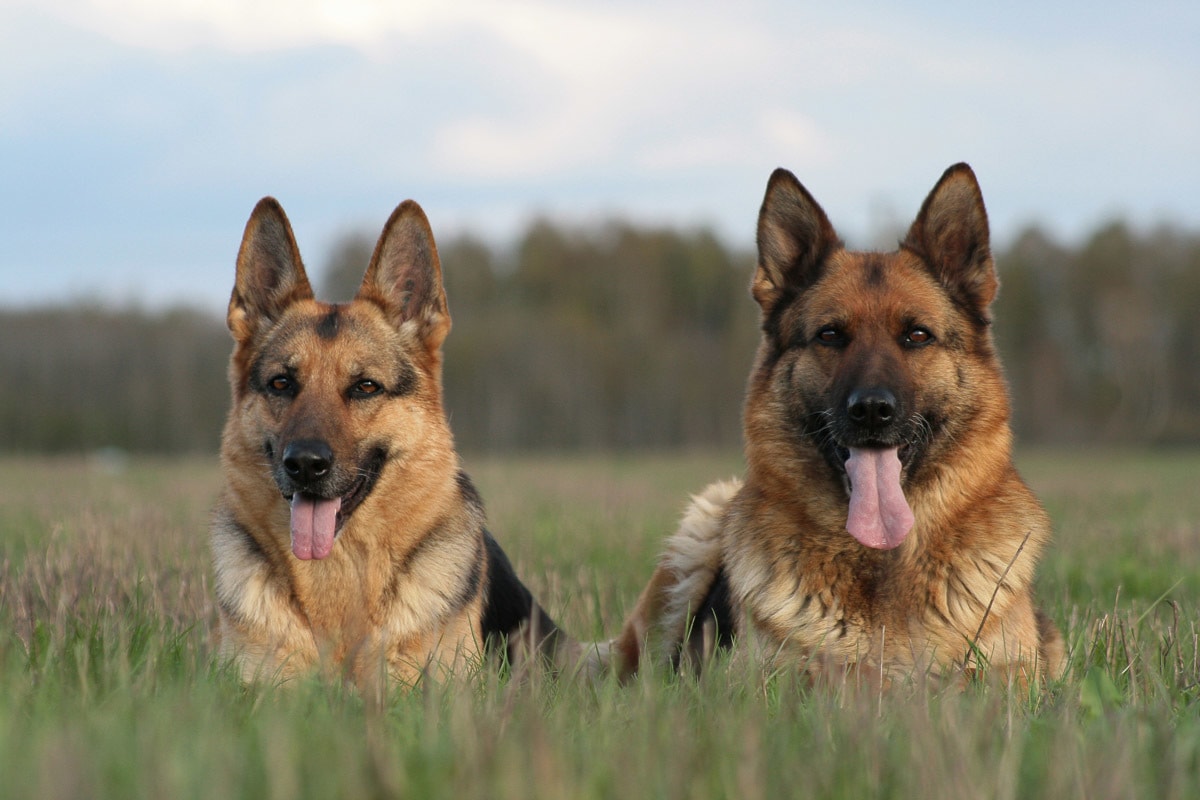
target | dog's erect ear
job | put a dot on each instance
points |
(794, 238)
(951, 235)
(405, 276)
(270, 275)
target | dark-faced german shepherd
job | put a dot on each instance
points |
(347, 537)
(881, 523)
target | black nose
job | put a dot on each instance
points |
(307, 461)
(872, 408)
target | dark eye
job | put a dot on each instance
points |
(918, 336)
(280, 384)
(365, 388)
(830, 335)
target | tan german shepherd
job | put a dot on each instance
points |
(881, 523)
(347, 537)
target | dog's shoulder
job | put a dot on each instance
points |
(508, 602)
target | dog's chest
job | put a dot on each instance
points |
(799, 602)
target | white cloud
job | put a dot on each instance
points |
(161, 110)
(773, 136)
(797, 136)
(562, 35)
(596, 84)
(492, 149)
(247, 25)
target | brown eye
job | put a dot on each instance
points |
(918, 335)
(830, 335)
(365, 388)
(280, 384)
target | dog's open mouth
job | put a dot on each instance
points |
(317, 520)
(879, 515)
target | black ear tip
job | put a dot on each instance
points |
(960, 171)
(267, 205)
(268, 215)
(781, 176)
(409, 211)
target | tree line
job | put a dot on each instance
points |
(614, 336)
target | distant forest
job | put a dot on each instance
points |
(620, 337)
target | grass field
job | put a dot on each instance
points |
(108, 686)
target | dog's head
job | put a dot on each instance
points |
(876, 361)
(327, 397)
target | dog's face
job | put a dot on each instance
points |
(876, 361)
(331, 397)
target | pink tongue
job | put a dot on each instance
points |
(879, 515)
(314, 520)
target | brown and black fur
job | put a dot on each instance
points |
(345, 400)
(768, 559)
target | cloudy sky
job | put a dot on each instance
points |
(136, 135)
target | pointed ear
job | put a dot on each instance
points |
(794, 238)
(270, 275)
(405, 275)
(951, 235)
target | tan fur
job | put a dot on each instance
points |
(957, 594)
(685, 572)
(406, 586)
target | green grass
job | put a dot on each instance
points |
(108, 685)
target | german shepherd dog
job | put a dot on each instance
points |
(881, 524)
(347, 538)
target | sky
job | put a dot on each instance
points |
(137, 135)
